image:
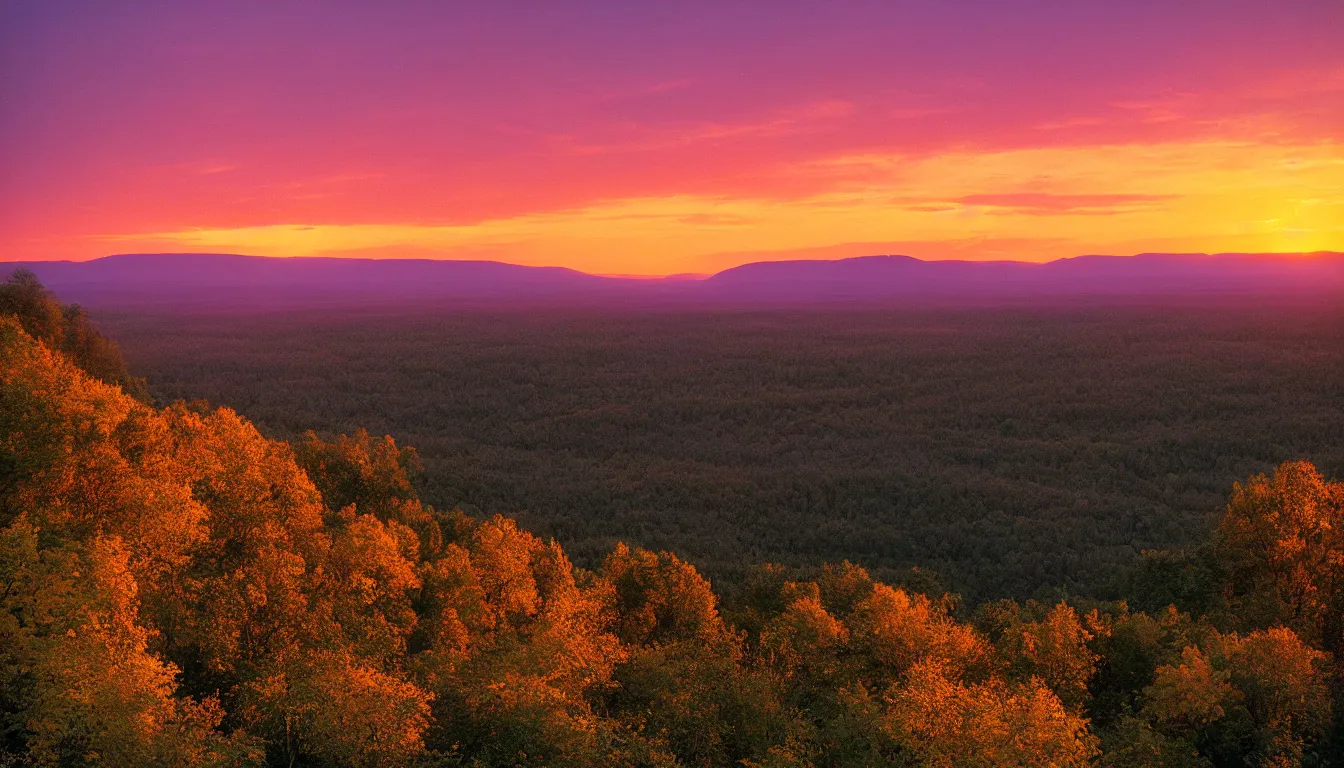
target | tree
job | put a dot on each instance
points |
(77, 657)
(1283, 683)
(1135, 743)
(359, 474)
(369, 580)
(1188, 697)
(896, 630)
(944, 723)
(178, 590)
(37, 311)
(1130, 647)
(66, 329)
(1054, 649)
(660, 598)
(82, 459)
(699, 699)
(332, 707)
(805, 644)
(1281, 541)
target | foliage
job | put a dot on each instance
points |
(66, 328)
(1023, 451)
(179, 590)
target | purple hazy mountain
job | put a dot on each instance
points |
(220, 278)
(875, 277)
(225, 279)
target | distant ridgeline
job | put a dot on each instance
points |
(179, 590)
(225, 279)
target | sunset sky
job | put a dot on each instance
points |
(656, 138)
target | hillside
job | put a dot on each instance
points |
(181, 591)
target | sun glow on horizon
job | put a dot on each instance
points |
(1206, 197)
(541, 143)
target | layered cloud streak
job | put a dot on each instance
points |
(637, 141)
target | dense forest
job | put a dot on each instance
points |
(180, 590)
(1013, 450)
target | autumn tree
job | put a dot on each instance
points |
(1130, 646)
(807, 647)
(660, 598)
(518, 649)
(685, 681)
(943, 722)
(1052, 645)
(228, 567)
(176, 589)
(1282, 544)
(359, 474)
(80, 685)
(896, 630)
(1258, 699)
(65, 328)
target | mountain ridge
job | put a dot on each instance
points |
(236, 278)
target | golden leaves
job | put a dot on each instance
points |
(949, 723)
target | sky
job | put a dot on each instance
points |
(671, 137)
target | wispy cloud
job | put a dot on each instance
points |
(1027, 204)
(809, 117)
(1039, 203)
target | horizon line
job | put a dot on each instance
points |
(692, 276)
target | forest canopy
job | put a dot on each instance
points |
(180, 590)
(1024, 451)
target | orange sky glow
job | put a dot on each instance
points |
(622, 140)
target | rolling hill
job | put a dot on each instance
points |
(229, 279)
